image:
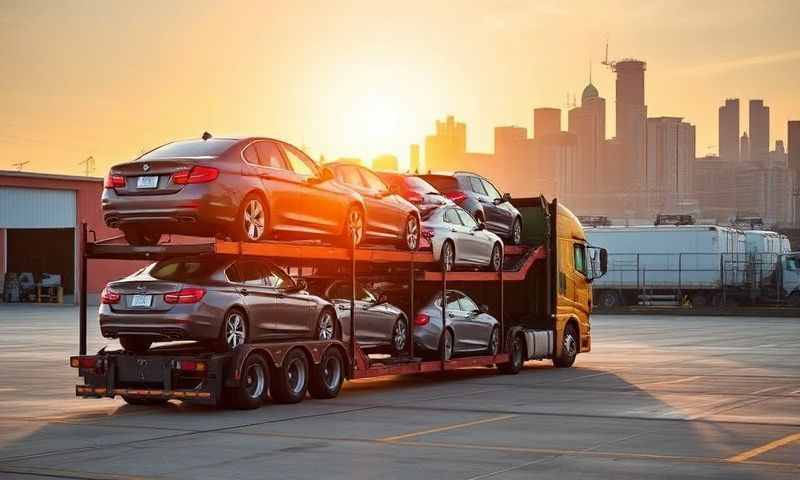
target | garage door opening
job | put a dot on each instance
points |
(43, 250)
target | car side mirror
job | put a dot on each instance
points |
(300, 284)
(506, 197)
(382, 299)
(483, 308)
(603, 261)
(480, 226)
(325, 175)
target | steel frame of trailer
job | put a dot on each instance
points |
(225, 369)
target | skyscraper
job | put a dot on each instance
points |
(759, 131)
(793, 128)
(546, 121)
(588, 124)
(670, 160)
(631, 120)
(413, 158)
(744, 147)
(444, 150)
(729, 130)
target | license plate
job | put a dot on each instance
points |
(147, 182)
(141, 300)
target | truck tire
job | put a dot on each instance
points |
(700, 300)
(517, 357)
(609, 299)
(290, 381)
(569, 348)
(252, 390)
(327, 377)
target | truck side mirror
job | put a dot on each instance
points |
(603, 261)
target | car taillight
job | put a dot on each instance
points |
(456, 196)
(421, 319)
(114, 181)
(197, 174)
(109, 297)
(185, 295)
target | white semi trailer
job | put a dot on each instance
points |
(704, 264)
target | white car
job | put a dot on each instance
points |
(458, 240)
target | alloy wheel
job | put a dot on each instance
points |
(235, 332)
(327, 329)
(497, 258)
(448, 256)
(399, 335)
(254, 217)
(493, 343)
(412, 233)
(517, 233)
(448, 345)
(570, 346)
(355, 226)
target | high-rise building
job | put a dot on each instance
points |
(588, 124)
(714, 185)
(513, 159)
(444, 149)
(670, 161)
(385, 163)
(744, 148)
(793, 128)
(413, 158)
(546, 121)
(778, 156)
(729, 130)
(631, 121)
(759, 131)
(554, 168)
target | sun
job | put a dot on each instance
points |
(377, 117)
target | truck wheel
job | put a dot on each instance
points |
(699, 300)
(290, 382)
(609, 300)
(517, 357)
(569, 348)
(135, 344)
(254, 385)
(328, 376)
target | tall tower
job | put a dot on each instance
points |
(588, 123)
(759, 131)
(546, 121)
(744, 147)
(631, 119)
(729, 130)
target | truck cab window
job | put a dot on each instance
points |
(580, 258)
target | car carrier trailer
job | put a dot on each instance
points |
(523, 296)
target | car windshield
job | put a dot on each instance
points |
(185, 270)
(442, 183)
(190, 148)
(420, 186)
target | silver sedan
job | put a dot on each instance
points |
(458, 240)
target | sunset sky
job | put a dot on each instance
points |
(111, 78)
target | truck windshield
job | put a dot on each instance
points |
(212, 147)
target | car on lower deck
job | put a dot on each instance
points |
(219, 300)
(380, 326)
(389, 217)
(468, 327)
(248, 189)
(478, 196)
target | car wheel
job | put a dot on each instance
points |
(253, 219)
(411, 233)
(353, 231)
(448, 257)
(569, 348)
(141, 238)
(234, 330)
(328, 376)
(399, 335)
(516, 232)
(517, 357)
(496, 260)
(253, 387)
(447, 348)
(494, 342)
(135, 344)
(290, 382)
(326, 326)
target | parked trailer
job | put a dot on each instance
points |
(534, 320)
(667, 263)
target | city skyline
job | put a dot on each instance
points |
(361, 86)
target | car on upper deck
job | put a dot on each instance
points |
(248, 189)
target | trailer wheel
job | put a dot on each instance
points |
(517, 359)
(569, 348)
(254, 385)
(609, 300)
(328, 376)
(699, 300)
(290, 382)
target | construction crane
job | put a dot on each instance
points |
(88, 165)
(21, 164)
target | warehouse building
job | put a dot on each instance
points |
(40, 218)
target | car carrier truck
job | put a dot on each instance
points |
(542, 299)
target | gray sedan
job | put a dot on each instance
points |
(469, 328)
(380, 326)
(223, 300)
(458, 240)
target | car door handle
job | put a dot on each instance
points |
(244, 292)
(343, 307)
(451, 315)
(453, 230)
